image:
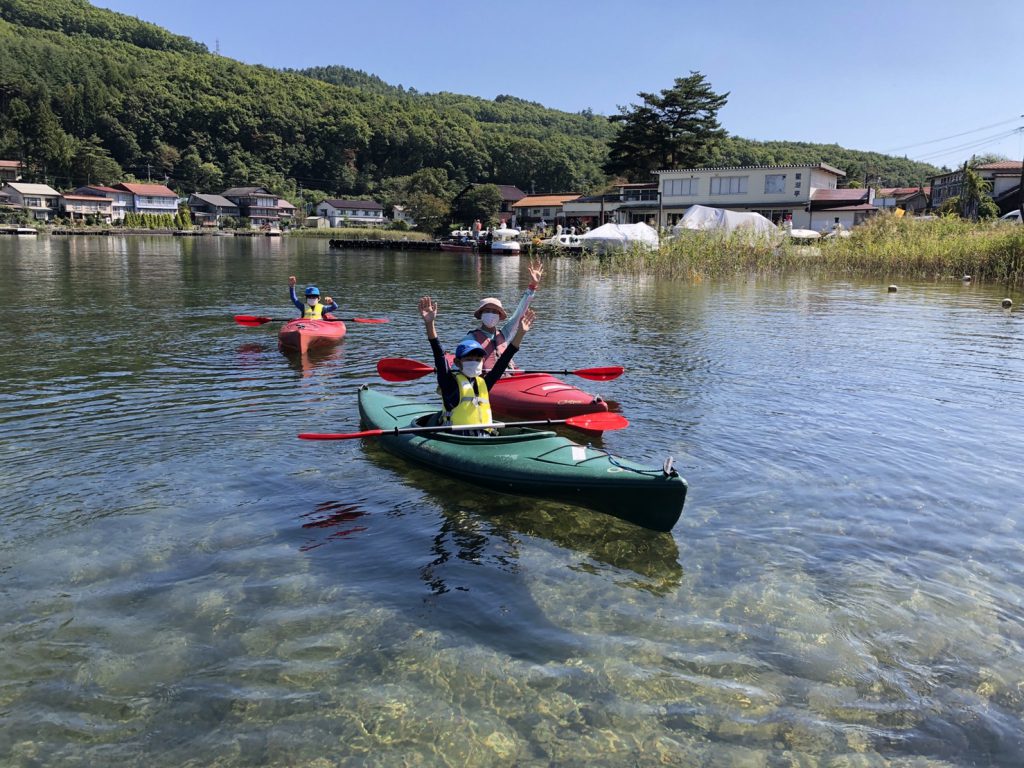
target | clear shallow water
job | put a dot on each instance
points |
(185, 583)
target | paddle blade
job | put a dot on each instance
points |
(251, 321)
(597, 422)
(339, 435)
(600, 374)
(370, 320)
(402, 369)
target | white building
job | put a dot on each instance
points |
(40, 200)
(348, 213)
(150, 198)
(807, 195)
(120, 200)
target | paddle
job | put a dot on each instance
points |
(587, 422)
(403, 369)
(251, 321)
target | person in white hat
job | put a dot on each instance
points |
(492, 338)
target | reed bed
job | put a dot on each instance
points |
(886, 246)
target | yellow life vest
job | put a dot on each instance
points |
(316, 312)
(474, 404)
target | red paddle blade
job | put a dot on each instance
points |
(339, 435)
(601, 374)
(251, 321)
(597, 422)
(370, 320)
(402, 369)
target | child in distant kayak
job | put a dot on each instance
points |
(312, 309)
(489, 336)
(464, 389)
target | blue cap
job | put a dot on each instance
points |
(312, 291)
(467, 346)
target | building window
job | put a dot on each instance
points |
(682, 187)
(775, 183)
(547, 212)
(729, 185)
(797, 175)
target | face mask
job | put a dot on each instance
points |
(312, 301)
(489, 319)
(472, 368)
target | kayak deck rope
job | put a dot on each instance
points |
(665, 469)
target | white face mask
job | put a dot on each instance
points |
(489, 319)
(312, 300)
(472, 368)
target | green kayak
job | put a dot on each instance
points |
(530, 462)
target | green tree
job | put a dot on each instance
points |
(431, 213)
(92, 163)
(677, 128)
(481, 201)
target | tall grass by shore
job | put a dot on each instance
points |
(885, 246)
(359, 233)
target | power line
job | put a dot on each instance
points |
(976, 144)
(954, 136)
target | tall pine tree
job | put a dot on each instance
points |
(677, 128)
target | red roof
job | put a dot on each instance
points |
(89, 198)
(111, 190)
(10, 163)
(840, 195)
(149, 190)
(1000, 165)
(900, 191)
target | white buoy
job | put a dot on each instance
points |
(893, 289)
(1007, 303)
(967, 278)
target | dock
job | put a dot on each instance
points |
(7, 230)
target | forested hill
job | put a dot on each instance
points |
(87, 94)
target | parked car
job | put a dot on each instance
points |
(1011, 216)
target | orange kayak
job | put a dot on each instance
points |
(305, 335)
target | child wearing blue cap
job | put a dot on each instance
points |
(464, 388)
(313, 309)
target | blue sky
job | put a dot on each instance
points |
(935, 81)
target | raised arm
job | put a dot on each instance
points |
(291, 294)
(525, 322)
(536, 270)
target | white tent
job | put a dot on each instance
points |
(610, 236)
(705, 218)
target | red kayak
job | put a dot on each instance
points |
(539, 396)
(306, 335)
(542, 396)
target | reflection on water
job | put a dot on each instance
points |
(186, 583)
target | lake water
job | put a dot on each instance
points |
(184, 583)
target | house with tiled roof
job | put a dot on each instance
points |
(81, 207)
(628, 204)
(913, 200)
(210, 210)
(510, 195)
(10, 170)
(542, 209)
(150, 198)
(796, 193)
(40, 201)
(347, 213)
(255, 204)
(1002, 176)
(120, 199)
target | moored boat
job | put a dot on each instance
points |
(530, 462)
(304, 335)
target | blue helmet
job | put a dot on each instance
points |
(312, 291)
(467, 346)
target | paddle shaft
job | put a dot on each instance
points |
(594, 422)
(402, 369)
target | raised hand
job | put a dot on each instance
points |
(328, 300)
(527, 319)
(428, 309)
(536, 270)
(292, 281)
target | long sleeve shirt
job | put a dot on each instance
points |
(493, 342)
(332, 307)
(446, 380)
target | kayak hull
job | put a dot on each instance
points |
(524, 395)
(542, 396)
(307, 335)
(529, 462)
